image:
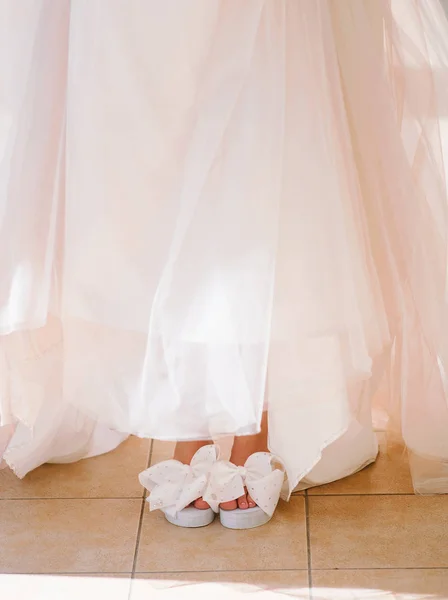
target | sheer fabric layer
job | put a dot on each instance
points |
(204, 210)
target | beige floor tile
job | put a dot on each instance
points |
(262, 585)
(68, 536)
(389, 475)
(65, 587)
(387, 584)
(161, 451)
(112, 475)
(281, 544)
(378, 531)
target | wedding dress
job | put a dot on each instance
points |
(214, 206)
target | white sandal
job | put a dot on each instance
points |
(174, 486)
(263, 482)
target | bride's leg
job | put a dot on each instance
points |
(243, 447)
(185, 451)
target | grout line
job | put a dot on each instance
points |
(148, 464)
(68, 573)
(222, 571)
(297, 495)
(348, 494)
(139, 497)
(384, 569)
(293, 570)
(140, 522)
(129, 573)
(151, 448)
(308, 544)
(75, 498)
(137, 541)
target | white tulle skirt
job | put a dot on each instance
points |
(214, 207)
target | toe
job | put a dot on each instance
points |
(201, 504)
(251, 502)
(242, 502)
(231, 505)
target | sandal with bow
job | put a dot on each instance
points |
(174, 486)
(259, 477)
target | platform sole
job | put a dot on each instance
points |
(192, 517)
(243, 519)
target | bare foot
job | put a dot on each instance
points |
(243, 447)
(184, 452)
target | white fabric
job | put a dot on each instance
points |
(173, 486)
(263, 482)
(211, 205)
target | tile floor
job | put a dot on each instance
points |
(84, 531)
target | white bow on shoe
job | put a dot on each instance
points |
(173, 486)
(263, 482)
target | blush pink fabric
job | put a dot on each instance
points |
(196, 195)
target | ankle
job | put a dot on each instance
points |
(245, 446)
(243, 449)
(184, 451)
